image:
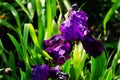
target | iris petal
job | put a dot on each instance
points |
(57, 48)
(75, 27)
(92, 46)
(40, 72)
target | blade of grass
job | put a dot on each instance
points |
(33, 35)
(49, 20)
(17, 46)
(31, 8)
(83, 4)
(28, 67)
(40, 22)
(14, 12)
(36, 44)
(16, 16)
(1, 47)
(116, 57)
(60, 16)
(24, 9)
(35, 41)
(67, 66)
(53, 8)
(5, 23)
(25, 37)
(116, 77)
(72, 73)
(79, 57)
(98, 66)
(110, 13)
(2, 54)
(67, 4)
(23, 75)
(38, 8)
(110, 75)
(11, 64)
(24, 47)
(40, 31)
(34, 57)
(46, 54)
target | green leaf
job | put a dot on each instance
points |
(5, 23)
(113, 0)
(14, 12)
(38, 7)
(17, 46)
(28, 68)
(11, 64)
(33, 35)
(40, 31)
(117, 78)
(16, 16)
(79, 57)
(98, 66)
(116, 57)
(118, 49)
(67, 66)
(49, 19)
(23, 75)
(110, 75)
(2, 54)
(35, 58)
(36, 43)
(72, 73)
(25, 36)
(53, 8)
(24, 47)
(1, 47)
(67, 4)
(31, 8)
(46, 54)
(24, 9)
(110, 13)
(60, 16)
(41, 23)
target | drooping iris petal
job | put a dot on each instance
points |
(92, 46)
(75, 27)
(57, 48)
(55, 72)
(40, 72)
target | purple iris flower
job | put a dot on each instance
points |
(92, 46)
(40, 72)
(43, 72)
(75, 27)
(57, 48)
